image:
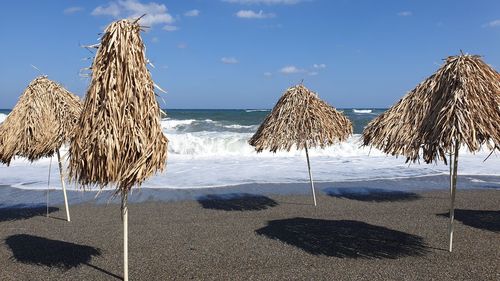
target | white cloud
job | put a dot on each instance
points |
(192, 13)
(72, 10)
(170, 28)
(182, 45)
(229, 60)
(405, 13)
(290, 69)
(313, 73)
(268, 74)
(249, 14)
(154, 13)
(111, 10)
(267, 2)
(319, 66)
(155, 40)
(493, 23)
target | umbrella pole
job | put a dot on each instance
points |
(310, 175)
(125, 236)
(450, 163)
(453, 191)
(48, 186)
(63, 186)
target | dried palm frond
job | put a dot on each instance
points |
(301, 118)
(42, 120)
(120, 140)
(459, 103)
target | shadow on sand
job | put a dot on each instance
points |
(52, 253)
(344, 238)
(236, 202)
(488, 220)
(371, 194)
(22, 213)
(41, 251)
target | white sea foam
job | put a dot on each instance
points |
(222, 144)
(195, 170)
(208, 157)
(209, 144)
(171, 124)
(362, 110)
(237, 126)
(2, 117)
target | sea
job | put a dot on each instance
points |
(209, 148)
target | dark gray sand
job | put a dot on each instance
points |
(391, 236)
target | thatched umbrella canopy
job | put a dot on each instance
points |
(458, 105)
(40, 123)
(301, 119)
(120, 140)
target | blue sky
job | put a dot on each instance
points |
(245, 53)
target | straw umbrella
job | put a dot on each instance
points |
(457, 106)
(41, 122)
(301, 119)
(120, 141)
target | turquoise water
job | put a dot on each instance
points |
(249, 117)
(244, 120)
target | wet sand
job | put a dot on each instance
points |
(379, 235)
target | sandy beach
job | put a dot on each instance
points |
(399, 235)
(250, 140)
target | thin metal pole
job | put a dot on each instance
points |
(453, 190)
(63, 185)
(48, 186)
(125, 236)
(310, 175)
